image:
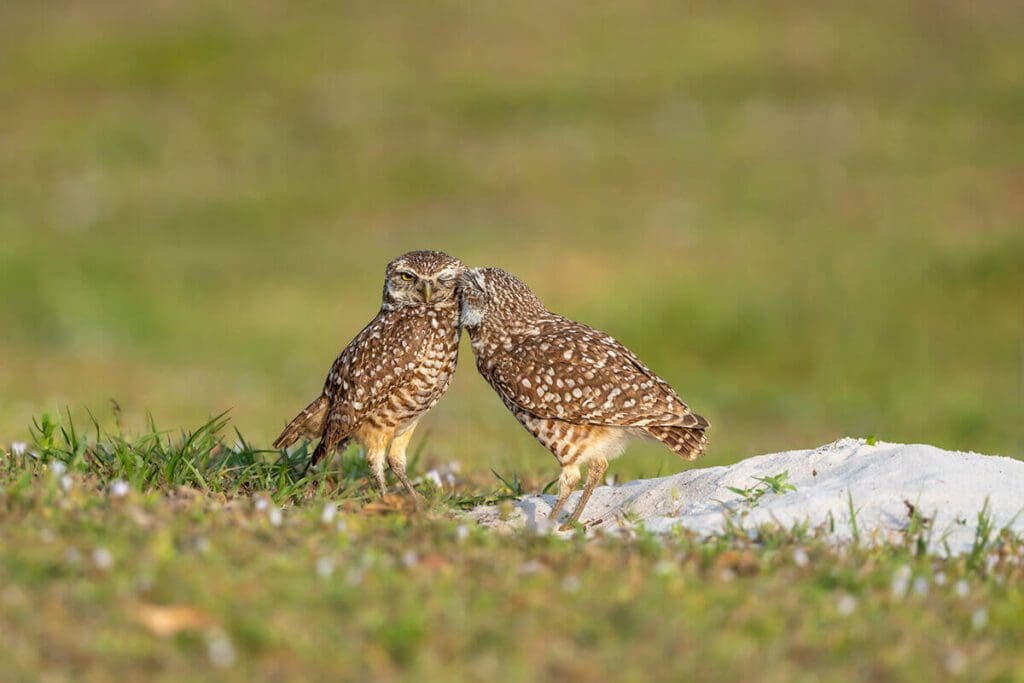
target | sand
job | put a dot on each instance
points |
(949, 488)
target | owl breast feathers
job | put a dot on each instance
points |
(396, 368)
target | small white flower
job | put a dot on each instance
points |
(800, 557)
(58, 468)
(461, 533)
(434, 477)
(18, 448)
(261, 504)
(664, 567)
(410, 558)
(846, 604)
(329, 512)
(66, 482)
(324, 567)
(102, 558)
(219, 650)
(979, 619)
(354, 576)
(962, 588)
(571, 584)
(901, 582)
(274, 516)
(921, 587)
(956, 662)
(119, 489)
(341, 527)
(940, 579)
(530, 567)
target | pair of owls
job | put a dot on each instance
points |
(575, 389)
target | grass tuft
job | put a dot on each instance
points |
(165, 460)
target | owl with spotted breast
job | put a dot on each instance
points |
(577, 390)
(394, 371)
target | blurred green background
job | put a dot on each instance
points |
(808, 217)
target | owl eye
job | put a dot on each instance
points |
(408, 277)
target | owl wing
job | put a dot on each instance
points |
(572, 372)
(372, 366)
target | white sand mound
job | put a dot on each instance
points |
(951, 488)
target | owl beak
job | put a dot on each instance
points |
(427, 292)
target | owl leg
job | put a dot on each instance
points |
(375, 459)
(594, 474)
(567, 481)
(374, 439)
(396, 459)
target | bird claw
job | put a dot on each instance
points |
(571, 524)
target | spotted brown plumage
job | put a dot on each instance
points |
(394, 371)
(577, 390)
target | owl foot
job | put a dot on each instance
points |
(594, 474)
(415, 497)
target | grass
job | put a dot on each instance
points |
(776, 483)
(805, 216)
(236, 566)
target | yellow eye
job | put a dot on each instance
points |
(408, 277)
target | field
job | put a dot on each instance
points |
(317, 580)
(808, 218)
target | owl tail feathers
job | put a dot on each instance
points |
(309, 423)
(686, 442)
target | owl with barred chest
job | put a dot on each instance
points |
(394, 371)
(578, 391)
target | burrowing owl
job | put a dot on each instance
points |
(394, 371)
(578, 391)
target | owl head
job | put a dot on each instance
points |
(493, 294)
(421, 278)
